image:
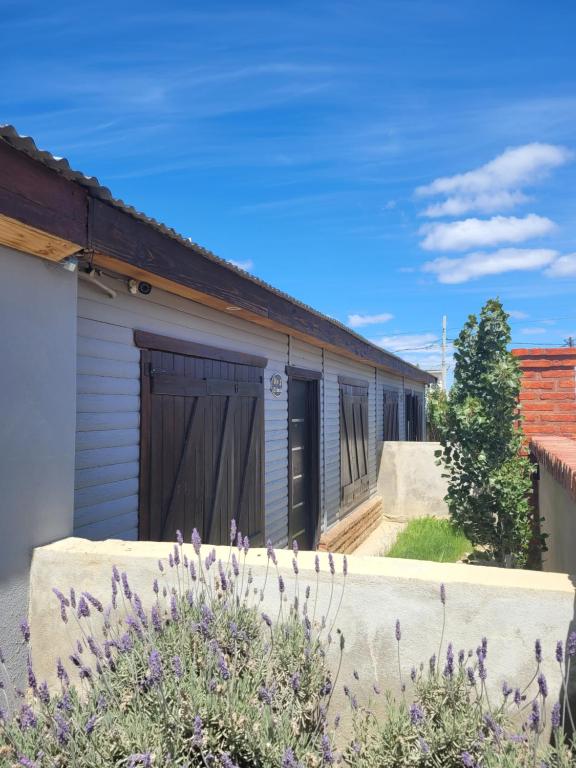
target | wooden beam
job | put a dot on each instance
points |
(22, 237)
(38, 197)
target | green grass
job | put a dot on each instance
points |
(428, 538)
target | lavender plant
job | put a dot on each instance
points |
(201, 678)
(447, 718)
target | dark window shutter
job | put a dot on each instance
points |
(413, 416)
(354, 481)
(391, 415)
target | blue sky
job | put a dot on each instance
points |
(328, 146)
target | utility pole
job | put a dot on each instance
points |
(444, 373)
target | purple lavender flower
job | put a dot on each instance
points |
(482, 672)
(62, 729)
(72, 598)
(90, 724)
(270, 552)
(196, 541)
(449, 668)
(192, 571)
(155, 587)
(222, 575)
(246, 544)
(31, 676)
(174, 609)
(115, 574)
(176, 555)
(226, 761)
(424, 746)
(542, 686)
(413, 674)
(517, 697)
(281, 585)
(25, 630)
(467, 760)
(267, 620)
(555, 718)
(198, 730)
(177, 667)
(416, 714)
(179, 538)
(125, 644)
(126, 586)
(85, 673)
(63, 599)
(331, 563)
(94, 601)
(307, 593)
(571, 644)
(223, 668)
(140, 760)
(316, 563)
(559, 652)
(471, 676)
(295, 682)
(461, 657)
(265, 694)
(171, 560)
(327, 752)
(156, 622)
(295, 565)
(534, 717)
(345, 565)
(43, 693)
(160, 566)
(442, 594)
(506, 690)
(398, 632)
(155, 666)
(27, 718)
(233, 531)
(289, 759)
(61, 673)
(538, 651)
(65, 703)
(235, 565)
(432, 663)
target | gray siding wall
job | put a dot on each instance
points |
(107, 439)
(37, 422)
(108, 402)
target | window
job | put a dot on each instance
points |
(413, 415)
(391, 415)
(354, 481)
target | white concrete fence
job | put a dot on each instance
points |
(511, 608)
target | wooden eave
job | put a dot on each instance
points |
(47, 215)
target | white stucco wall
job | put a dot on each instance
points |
(37, 423)
(558, 508)
(511, 608)
(410, 482)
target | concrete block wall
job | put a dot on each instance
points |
(548, 394)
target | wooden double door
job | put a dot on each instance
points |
(303, 457)
(202, 441)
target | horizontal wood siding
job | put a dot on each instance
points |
(108, 405)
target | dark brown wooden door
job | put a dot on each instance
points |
(202, 457)
(354, 480)
(303, 470)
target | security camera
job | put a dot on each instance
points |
(144, 288)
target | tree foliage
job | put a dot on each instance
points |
(436, 409)
(488, 478)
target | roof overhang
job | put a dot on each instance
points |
(48, 210)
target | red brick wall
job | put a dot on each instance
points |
(548, 394)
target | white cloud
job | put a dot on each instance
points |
(533, 331)
(517, 314)
(390, 205)
(409, 342)
(479, 264)
(483, 203)
(565, 266)
(496, 185)
(359, 321)
(247, 265)
(473, 233)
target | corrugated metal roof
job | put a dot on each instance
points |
(27, 145)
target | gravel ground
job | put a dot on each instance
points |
(381, 539)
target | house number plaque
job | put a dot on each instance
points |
(276, 384)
